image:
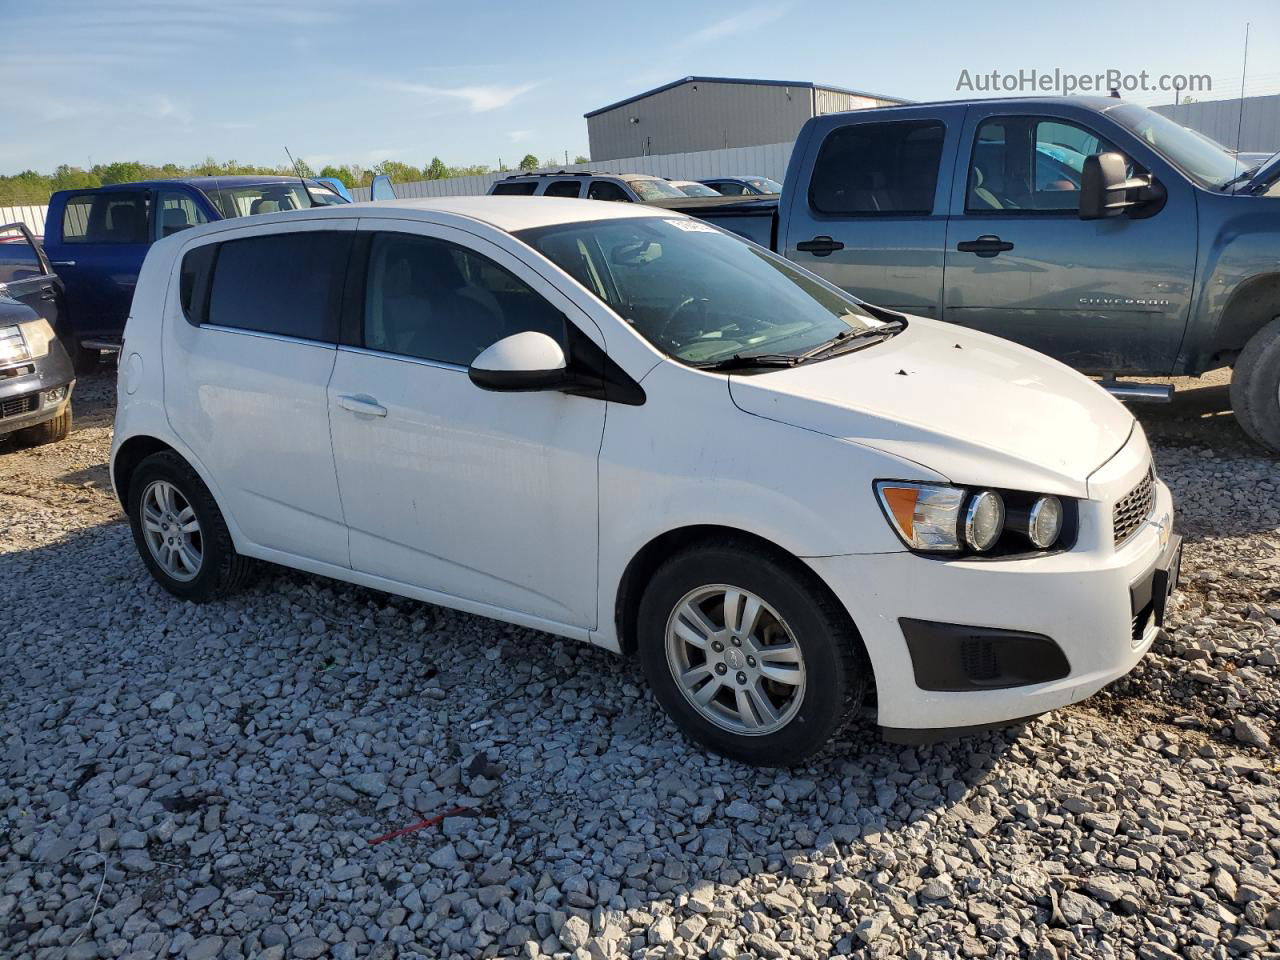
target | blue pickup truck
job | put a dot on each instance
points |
(1093, 230)
(97, 239)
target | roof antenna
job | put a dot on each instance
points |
(310, 199)
(1244, 67)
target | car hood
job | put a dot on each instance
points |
(974, 408)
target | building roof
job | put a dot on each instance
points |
(803, 84)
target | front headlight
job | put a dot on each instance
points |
(941, 518)
(38, 335)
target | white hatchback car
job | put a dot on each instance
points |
(625, 426)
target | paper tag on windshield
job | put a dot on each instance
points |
(692, 226)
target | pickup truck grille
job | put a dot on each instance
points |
(17, 406)
(1134, 507)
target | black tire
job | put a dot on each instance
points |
(1255, 387)
(222, 571)
(836, 678)
(51, 431)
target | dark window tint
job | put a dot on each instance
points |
(563, 188)
(524, 188)
(729, 188)
(115, 216)
(18, 260)
(288, 284)
(176, 211)
(878, 168)
(604, 190)
(435, 300)
(193, 282)
(1027, 164)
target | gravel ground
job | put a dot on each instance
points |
(205, 782)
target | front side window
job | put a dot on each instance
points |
(18, 257)
(764, 185)
(524, 188)
(1029, 164)
(436, 300)
(697, 293)
(251, 200)
(878, 169)
(729, 188)
(604, 190)
(176, 211)
(563, 188)
(112, 216)
(288, 284)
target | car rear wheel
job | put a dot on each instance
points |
(747, 654)
(1255, 387)
(51, 431)
(180, 532)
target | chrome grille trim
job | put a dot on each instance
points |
(17, 406)
(1134, 508)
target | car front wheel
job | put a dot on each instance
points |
(1255, 387)
(748, 655)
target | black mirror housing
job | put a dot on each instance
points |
(1106, 189)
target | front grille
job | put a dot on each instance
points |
(17, 406)
(1134, 507)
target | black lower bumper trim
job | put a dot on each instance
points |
(953, 657)
(923, 736)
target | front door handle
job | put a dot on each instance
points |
(987, 245)
(819, 246)
(48, 294)
(62, 263)
(363, 405)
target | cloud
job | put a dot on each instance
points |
(752, 18)
(519, 136)
(479, 99)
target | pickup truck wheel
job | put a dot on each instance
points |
(747, 655)
(180, 532)
(1255, 387)
(51, 431)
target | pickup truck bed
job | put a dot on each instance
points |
(755, 218)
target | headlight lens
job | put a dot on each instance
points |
(1044, 522)
(940, 518)
(38, 335)
(926, 515)
(983, 520)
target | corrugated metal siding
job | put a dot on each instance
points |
(837, 101)
(1220, 119)
(769, 161)
(31, 215)
(700, 116)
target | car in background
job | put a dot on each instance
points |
(97, 239)
(692, 188)
(630, 428)
(36, 377)
(743, 186)
(620, 187)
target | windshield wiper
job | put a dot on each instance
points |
(884, 330)
(1240, 176)
(745, 361)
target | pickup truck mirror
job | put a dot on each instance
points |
(1107, 190)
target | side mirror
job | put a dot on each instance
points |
(521, 362)
(1106, 189)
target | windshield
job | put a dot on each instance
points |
(697, 190)
(245, 201)
(1196, 156)
(765, 185)
(654, 189)
(697, 293)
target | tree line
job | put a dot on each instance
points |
(33, 187)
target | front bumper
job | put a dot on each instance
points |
(1082, 599)
(27, 388)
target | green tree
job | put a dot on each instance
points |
(399, 172)
(73, 178)
(436, 170)
(304, 169)
(338, 173)
(581, 159)
(122, 171)
(529, 162)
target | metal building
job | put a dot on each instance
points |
(1253, 123)
(711, 113)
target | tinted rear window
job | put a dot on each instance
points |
(871, 169)
(288, 284)
(523, 189)
(114, 216)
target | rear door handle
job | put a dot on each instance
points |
(48, 294)
(819, 246)
(62, 263)
(363, 405)
(987, 245)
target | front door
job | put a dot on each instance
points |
(1100, 295)
(874, 219)
(488, 497)
(25, 274)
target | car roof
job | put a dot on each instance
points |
(581, 173)
(510, 213)
(246, 180)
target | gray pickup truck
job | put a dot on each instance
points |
(1093, 230)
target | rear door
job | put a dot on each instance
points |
(1100, 295)
(25, 274)
(105, 237)
(871, 216)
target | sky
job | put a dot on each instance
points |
(479, 82)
